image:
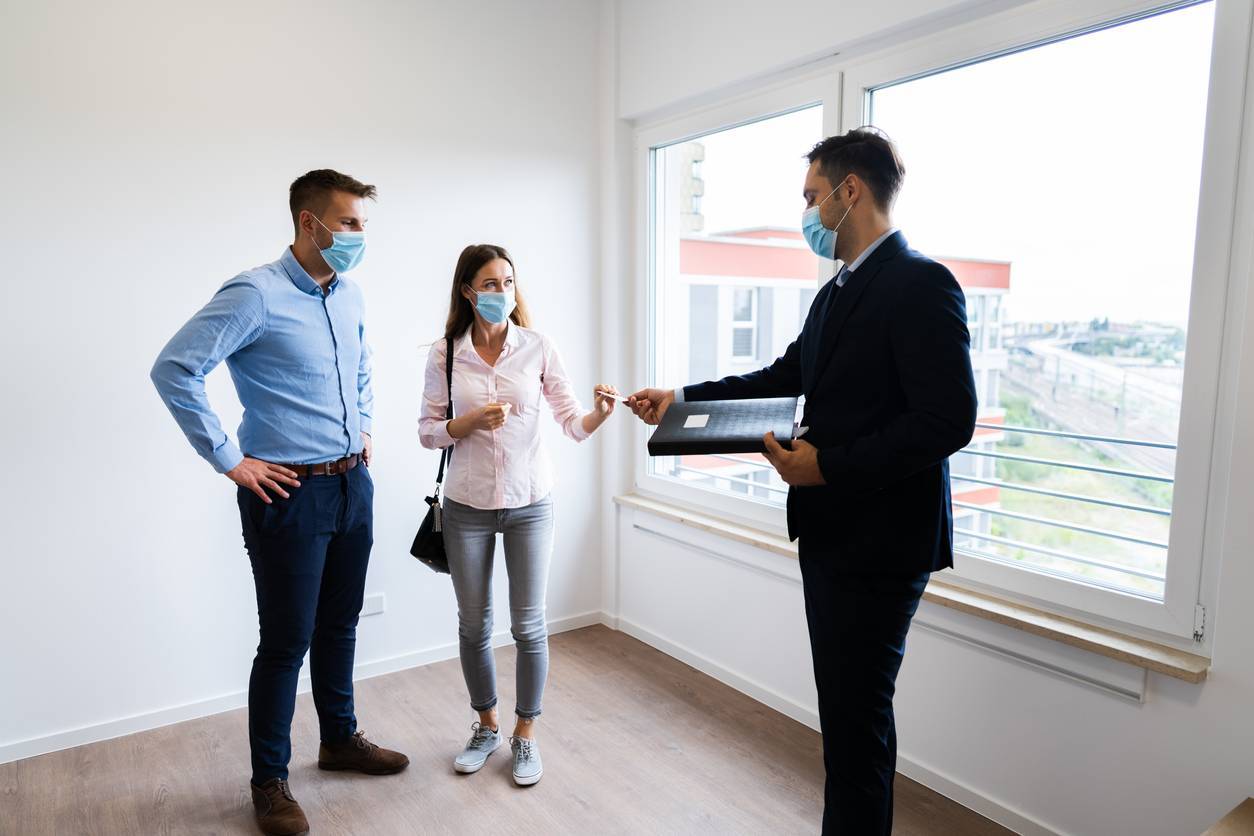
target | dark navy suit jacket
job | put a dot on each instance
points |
(885, 366)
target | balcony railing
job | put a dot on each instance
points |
(1142, 562)
(1145, 553)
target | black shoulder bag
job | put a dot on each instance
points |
(429, 541)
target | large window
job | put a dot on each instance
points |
(732, 277)
(1052, 185)
(1071, 164)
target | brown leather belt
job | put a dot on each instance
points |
(335, 468)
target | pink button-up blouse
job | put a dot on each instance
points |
(508, 467)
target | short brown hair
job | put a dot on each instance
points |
(313, 190)
(461, 313)
(866, 152)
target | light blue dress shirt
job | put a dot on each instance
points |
(299, 360)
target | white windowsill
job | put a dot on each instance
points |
(1102, 641)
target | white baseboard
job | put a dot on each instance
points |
(93, 733)
(916, 770)
(418, 658)
(762, 693)
(990, 808)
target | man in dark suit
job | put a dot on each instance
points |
(883, 361)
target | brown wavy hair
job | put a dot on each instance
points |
(461, 313)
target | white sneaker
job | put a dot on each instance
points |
(527, 766)
(483, 742)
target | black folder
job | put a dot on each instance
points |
(698, 427)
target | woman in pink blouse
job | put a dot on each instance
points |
(499, 482)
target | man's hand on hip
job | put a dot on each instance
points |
(258, 476)
(650, 405)
(799, 466)
(367, 449)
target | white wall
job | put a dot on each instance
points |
(676, 52)
(1041, 752)
(146, 153)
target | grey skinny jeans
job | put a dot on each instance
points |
(470, 541)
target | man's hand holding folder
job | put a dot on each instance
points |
(798, 466)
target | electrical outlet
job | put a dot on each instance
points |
(373, 604)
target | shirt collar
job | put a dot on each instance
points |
(512, 339)
(865, 254)
(512, 336)
(301, 278)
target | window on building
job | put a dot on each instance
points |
(975, 321)
(744, 324)
(992, 321)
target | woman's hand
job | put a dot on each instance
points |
(605, 400)
(603, 408)
(488, 418)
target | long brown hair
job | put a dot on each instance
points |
(461, 313)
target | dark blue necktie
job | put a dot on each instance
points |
(837, 284)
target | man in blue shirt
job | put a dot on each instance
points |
(292, 335)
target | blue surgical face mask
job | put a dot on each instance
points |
(821, 239)
(495, 307)
(346, 250)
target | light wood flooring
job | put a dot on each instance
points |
(633, 741)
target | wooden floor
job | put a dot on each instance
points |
(633, 742)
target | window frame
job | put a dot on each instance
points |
(821, 86)
(1036, 25)
(842, 87)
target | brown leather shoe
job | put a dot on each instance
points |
(360, 754)
(278, 814)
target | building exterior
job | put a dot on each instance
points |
(736, 300)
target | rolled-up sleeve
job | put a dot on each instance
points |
(234, 318)
(433, 420)
(365, 392)
(567, 410)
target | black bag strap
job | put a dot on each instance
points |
(448, 412)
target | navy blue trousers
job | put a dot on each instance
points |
(858, 624)
(309, 555)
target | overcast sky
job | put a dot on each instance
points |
(1078, 162)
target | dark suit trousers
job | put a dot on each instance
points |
(309, 556)
(858, 624)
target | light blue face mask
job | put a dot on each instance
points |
(495, 307)
(346, 250)
(821, 239)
